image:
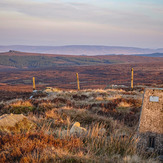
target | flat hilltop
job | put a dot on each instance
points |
(81, 49)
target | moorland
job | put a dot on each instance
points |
(55, 125)
(61, 124)
(17, 70)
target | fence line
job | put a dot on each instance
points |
(88, 83)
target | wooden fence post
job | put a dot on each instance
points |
(34, 85)
(78, 84)
(132, 78)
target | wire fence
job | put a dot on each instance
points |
(66, 79)
(99, 83)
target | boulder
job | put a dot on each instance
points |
(38, 94)
(51, 89)
(15, 123)
(76, 130)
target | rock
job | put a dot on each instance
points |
(15, 123)
(77, 130)
(50, 89)
(38, 94)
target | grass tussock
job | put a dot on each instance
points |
(18, 107)
(38, 146)
(19, 147)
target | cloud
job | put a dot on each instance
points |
(58, 10)
(80, 21)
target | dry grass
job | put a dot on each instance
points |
(99, 98)
(124, 104)
(21, 104)
(17, 107)
(109, 138)
(19, 147)
(43, 146)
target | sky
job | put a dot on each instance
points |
(136, 23)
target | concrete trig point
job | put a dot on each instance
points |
(150, 129)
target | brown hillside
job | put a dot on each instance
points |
(121, 58)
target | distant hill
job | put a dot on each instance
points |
(21, 60)
(81, 49)
(151, 55)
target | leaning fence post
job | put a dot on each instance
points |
(34, 85)
(78, 84)
(132, 78)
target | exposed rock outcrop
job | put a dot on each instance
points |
(15, 123)
(77, 130)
